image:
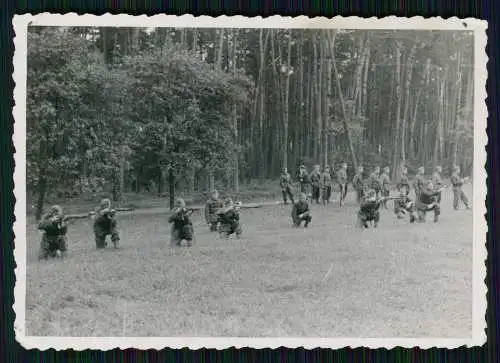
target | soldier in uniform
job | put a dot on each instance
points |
(427, 202)
(105, 224)
(385, 183)
(369, 210)
(418, 183)
(342, 181)
(404, 182)
(458, 194)
(182, 227)
(301, 212)
(54, 241)
(286, 186)
(303, 179)
(326, 185)
(359, 184)
(374, 181)
(211, 208)
(315, 179)
(229, 218)
(404, 205)
(437, 181)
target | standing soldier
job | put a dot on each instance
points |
(404, 182)
(315, 178)
(342, 181)
(326, 185)
(229, 218)
(286, 185)
(458, 193)
(427, 201)
(374, 181)
(182, 227)
(211, 208)
(359, 185)
(301, 212)
(437, 181)
(385, 183)
(104, 224)
(303, 179)
(418, 183)
(54, 241)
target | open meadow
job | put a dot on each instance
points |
(330, 280)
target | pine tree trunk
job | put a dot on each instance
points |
(314, 101)
(319, 89)
(458, 115)
(285, 100)
(409, 74)
(397, 120)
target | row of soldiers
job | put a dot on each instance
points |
(224, 216)
(321, 183)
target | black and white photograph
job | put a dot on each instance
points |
(216, 182)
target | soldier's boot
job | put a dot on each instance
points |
(100, 242)
(421, 217)
(189, 243)
(436, 218)
(213, 227)
(412, 218)
(306, 224)
(285, 201)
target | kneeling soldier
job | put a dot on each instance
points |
(54, 242)
(211, 208)
(229, 218)
(104, 224)
(428, 202)
(404, 205)
(369, 210)
(182, 227)
(301, 212)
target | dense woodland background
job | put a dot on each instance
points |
(166, 110)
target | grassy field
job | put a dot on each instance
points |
(330, 280)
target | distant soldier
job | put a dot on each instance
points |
(54, 241)
(374, 181)
(438, 181)
(211, 208)
(427, 202)
(301, 212)
(105, 224)
(404, 182)
(404, 206)
(419, 182)
(385, 183)
(326, 185)
(315, 179)
(182, 227)
(458, 194)
(286, 186)
(358, 184)
(229, 218)
(303, 179)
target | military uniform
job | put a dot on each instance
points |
(54, 236)
(315, 178)
(374, 183)
(404, 182)
(104, 224)
(404, 205)
(428, 202)
(303, 179)
(326, 186)
(301, 213)
(359, 185)
(211, 208)
(458, 193)
(369, 212)
(286, 187)
(182, 227)
(229, 219)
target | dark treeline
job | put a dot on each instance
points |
(128, 109)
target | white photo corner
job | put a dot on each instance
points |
(209, 182)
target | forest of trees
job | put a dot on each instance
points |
(132, 109)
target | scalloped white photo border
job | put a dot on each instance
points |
(479, 288)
